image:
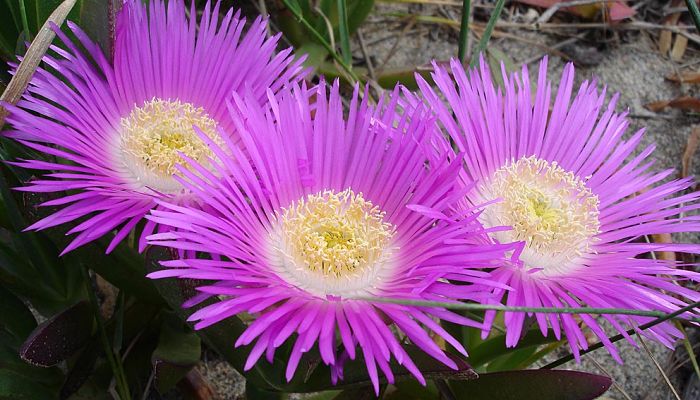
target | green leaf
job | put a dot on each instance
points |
(15, 373)
(177, 352)
(220, 336)
(17, 320)
(355, 372)
(97, 18)
(533, 385)
(80, 370)
(495, 347)
(358, 11)
(9, 30)
(59, 337)
(14, 386)
(413, 390)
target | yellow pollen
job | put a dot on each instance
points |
(153, 135)
(549, 208)
(335, 234)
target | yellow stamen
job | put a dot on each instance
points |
(335, 234)
(549, 208)
(153, 135)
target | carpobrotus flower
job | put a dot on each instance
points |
(118, 127)
(574, 192)
(323, 212)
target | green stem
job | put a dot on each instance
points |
(495, 15)
(298, 15)
(464, 30)
(25, 22)
(543, 310)
(114, 363)
(694, 12)
(619, 337)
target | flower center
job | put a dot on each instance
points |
(550, 209)
(332, 243)
(152, 136)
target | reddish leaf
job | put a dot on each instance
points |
(686, 103)
(534, 384)
(619, 11)
(59, 337)
(685, 77)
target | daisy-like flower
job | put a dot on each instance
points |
(314, 213)
(580, 196)
(116, 129)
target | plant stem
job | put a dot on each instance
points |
(114, 363)
(298, 15)
(694, 12)
(543, 310)
(464, 30)
(620, 336)
(495, 15)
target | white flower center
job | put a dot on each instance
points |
(153, 135)
(332, 243)
(549, 208)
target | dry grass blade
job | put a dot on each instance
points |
(689, 348)
(679, 47)
(32, 59)
(690, 148)
(666, 36)
(664, 238)
(658, 366)
(614, 383)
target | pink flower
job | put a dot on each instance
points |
(115, 129)
(315, 212)
(579, 196)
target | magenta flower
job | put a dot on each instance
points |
(575, 192)
(314, 213)
(117, 128)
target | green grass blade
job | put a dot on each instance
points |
(689, 348)
(694, 12)
(25, 21)
(294, 7)
(464, 30)
(344, 32)
(495, 15)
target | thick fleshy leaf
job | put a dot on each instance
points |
(14, 386)
(14, 373)
(59, 337)
(17, 320)
(97, 18)
(533, 385)
(355, 372)
(178, 350)
(80, 371)
(495, 347)
(220, 336)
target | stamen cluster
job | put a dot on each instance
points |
(549, 208)
(335, 234)
(153, 136)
